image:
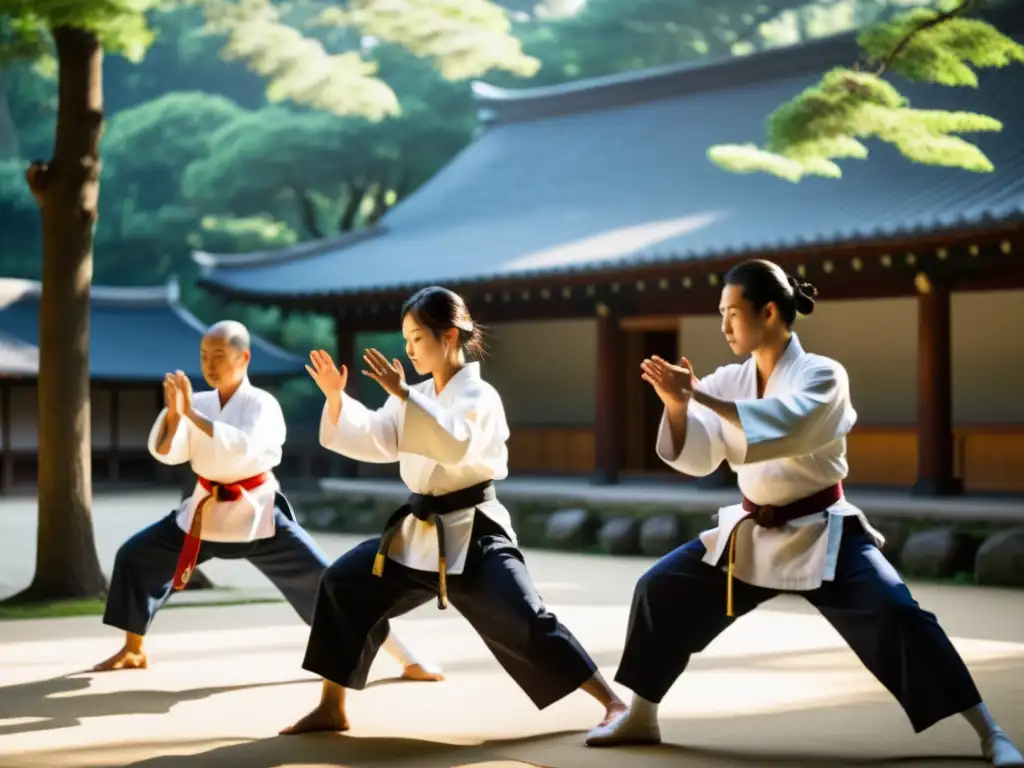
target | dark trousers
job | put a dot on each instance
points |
(144, 568)
(494, 593)
(679, 608)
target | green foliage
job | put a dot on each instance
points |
(464, 38)
(149, 144)
(14, 193)
(828, 121)
(241, 235)
(289, 149)
(120, 25)
(297, 67)
(611, 36)
(941, 54)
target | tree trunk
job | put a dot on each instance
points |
(67, 191)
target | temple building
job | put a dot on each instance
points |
(586, 226)
(136, 335)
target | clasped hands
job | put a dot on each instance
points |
(332, 380)
(674, 384)
(176, 384)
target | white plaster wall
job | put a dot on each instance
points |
(544, 371)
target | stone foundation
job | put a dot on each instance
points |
(987, 553)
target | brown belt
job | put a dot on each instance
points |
(768, 516)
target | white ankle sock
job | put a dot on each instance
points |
(981, 720)
(637, 725)
(399, 651)
(996, 746)
(643, 711)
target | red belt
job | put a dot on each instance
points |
(216, 492)
(768, 516)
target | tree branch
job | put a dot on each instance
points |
(37, 176)
(357, 192)
(307, 210)
(942, 18)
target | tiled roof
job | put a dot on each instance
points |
(612, 173)
(135, 334)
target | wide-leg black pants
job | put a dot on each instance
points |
(144, 567)
(494, 593)
(679, 608)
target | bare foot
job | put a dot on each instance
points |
(323, 718)
(126, 658)
(423, 672)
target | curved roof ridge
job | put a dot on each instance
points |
(13, 289)
(301, 250)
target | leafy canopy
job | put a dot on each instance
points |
(830, 120)
(464, 38)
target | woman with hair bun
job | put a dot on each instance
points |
(452, 539)
(780, 419)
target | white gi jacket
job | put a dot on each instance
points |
(248, 438)
(443, 443)
(792, 444)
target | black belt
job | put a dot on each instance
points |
(428, 509)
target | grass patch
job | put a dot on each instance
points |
(63, 609)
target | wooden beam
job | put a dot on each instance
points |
(609, 419)
(936, 447)
(668, 322)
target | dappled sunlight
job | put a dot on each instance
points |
(613, 244)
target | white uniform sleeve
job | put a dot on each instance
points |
(178, 454)
(704, 447)
(457, 436)
(817, 412)
(362, 434)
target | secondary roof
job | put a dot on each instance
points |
(135, 334)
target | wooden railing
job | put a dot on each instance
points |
(988, 458)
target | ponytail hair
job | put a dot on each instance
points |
(803, 296)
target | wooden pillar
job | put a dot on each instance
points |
(935, 444)
(347, 355)
(610, 413)
(6, 452)
(115, 433)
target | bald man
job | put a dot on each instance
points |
(233, 437)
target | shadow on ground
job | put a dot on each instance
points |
(866, 729)
(49, 699)
(549, 750)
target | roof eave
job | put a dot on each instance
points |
(636, 262)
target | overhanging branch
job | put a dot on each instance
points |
(901, 46)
